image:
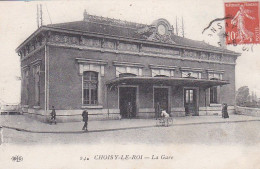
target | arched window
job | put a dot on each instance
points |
(90, 87)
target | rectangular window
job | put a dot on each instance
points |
(129, 70)
(213, 95)
(189, 96)
(162, 72)
(90, 86)
(191, 74)
(215, 76)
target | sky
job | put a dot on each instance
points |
(18, 21)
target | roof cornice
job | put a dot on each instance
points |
(105, 36)
(42, 28)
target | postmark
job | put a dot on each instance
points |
(243, 28)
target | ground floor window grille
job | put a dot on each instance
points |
(90, 88)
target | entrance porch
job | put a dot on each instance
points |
(177, 96)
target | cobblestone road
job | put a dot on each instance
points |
(203, 130)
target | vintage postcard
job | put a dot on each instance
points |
(130, 84)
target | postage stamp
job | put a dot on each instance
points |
(243, 27)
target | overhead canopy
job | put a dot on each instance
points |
(169, 81)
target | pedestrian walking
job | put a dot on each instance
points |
(53, 116)
(85, 119)
(224, 111)
(157, 110)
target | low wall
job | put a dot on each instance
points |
(215, 110)
(248, 111)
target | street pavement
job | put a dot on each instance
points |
(203, 129)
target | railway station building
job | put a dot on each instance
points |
(102, 65)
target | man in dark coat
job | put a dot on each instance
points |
(224, 111)
(85, 119)
(53, 115)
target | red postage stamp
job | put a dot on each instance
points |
(242, 27)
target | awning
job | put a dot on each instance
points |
(168, 81)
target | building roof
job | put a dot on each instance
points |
(114, 27)
(122, 29)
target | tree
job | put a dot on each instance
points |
(242, 95)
